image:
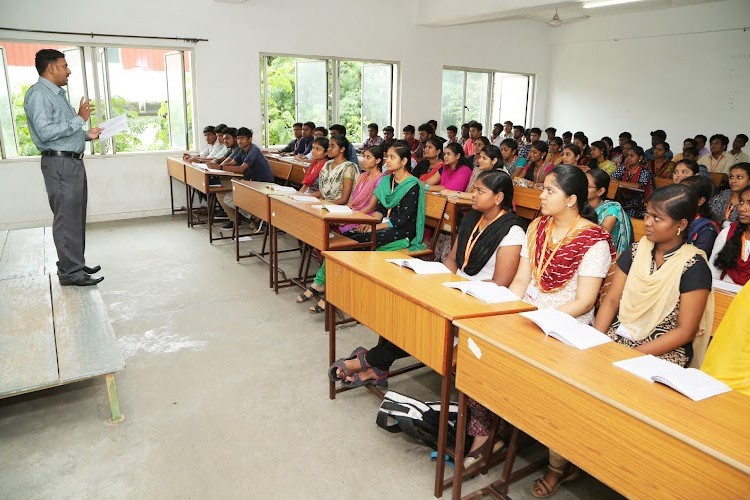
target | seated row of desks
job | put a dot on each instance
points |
(640, 438)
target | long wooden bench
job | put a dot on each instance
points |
(50, 335)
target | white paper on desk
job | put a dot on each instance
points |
(337, 209)
(282, 189)
(306, 199)
(116, 125)
(726, 286)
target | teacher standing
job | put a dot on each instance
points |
(57, 131)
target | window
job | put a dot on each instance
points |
(324, 91)
(485, 96)
(153, 87)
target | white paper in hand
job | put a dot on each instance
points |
(116, 125)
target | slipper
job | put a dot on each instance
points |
(448, 458)
(316, 309)
(380, 380)
(571, 473)
(301, 298)
(339, 365)
(476, 455)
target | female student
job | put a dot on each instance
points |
(536, 169)
(319, 156)
(661, 166)
(511, 160)
(488, 158)
(454, 176)
(554, 153)
(684, 169)
(431, 163)
(636, 173)
(564, 260)
(609, 213)
(658, 297)
(731, 252)
(724, 205)
(400, 207)
(583, 144)
(336, 178)
(487, 247)
(571, 154)
(702, 231)
(600, 158)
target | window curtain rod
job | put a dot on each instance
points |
(92, 35)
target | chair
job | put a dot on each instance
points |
(527, 202)
(433, 214)
(639, 228)
(281, 171)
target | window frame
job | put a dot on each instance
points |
(94, 71)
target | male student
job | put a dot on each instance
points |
(318, 132)
(657, 136)
(464, 134)
(305, 141)
(507, 131)
(388, 135)
(495, 139)
(551, 132)
(231, 148)
(209, 133)
(702, 149)
(250, 162)
(718, 160)
(373, 139)
(567, 138)
(452, 134)
(518, 131)
(433, 124)
(475, 132)
(409, 138)
(535, 133)
(351, 153)
(425, 133)
(297, 127)
(736, 152)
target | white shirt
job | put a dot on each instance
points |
(515, 236)
(719, 243)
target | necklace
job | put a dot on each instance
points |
(474, 236)
(539, 272)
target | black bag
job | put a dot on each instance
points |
(420, 420)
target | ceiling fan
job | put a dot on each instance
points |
(557, 21)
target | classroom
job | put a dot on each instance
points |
(270, 147)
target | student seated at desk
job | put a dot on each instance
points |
(305, 142)
(609, 213)
(511, 160)
(489, 158)
(724, 205)
(455, 175)
(373, 139)
(250, 162)
(230, 148)
(487, 248)
(297, 127)
(564, 259)
(336, 178)
(702, 231)
(209, 133)
(684, 169)
(400, 207)
(731, 251)
(536, 169)
(320, 158)
(658, 300)
(430, 164)
(318, 132)
(350, 153)
(636, 173)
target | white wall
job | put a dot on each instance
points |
(671, 69)
(226, 73)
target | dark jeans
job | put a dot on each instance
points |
(65, 180)
(384, 354)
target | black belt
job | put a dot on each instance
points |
(67, 154)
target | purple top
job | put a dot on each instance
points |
(455, 180)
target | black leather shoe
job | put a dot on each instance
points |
(92, 270)
(83, 281)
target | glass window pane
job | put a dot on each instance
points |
(103, 110)
(476, 97)
(312, 92)
(511, 96)
(377, 82)
(280, 73)
(175, 101)
(452, 105)
(189, 96)
(138, 88)
(350, 99)
(7, 130)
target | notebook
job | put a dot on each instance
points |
(566, 328)
(282, 189)
(334, 209)
(421, 266)
(485, 291)
(690, 382)
(305, 199)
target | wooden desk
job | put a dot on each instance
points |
(722, 300)
(453, 212)
(176, 170)
(415, 312)
(642, 439)
(298, 167)
(197, 178)
(527, 201)
(661, 182)
(313, 227)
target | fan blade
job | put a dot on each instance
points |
(574, 19)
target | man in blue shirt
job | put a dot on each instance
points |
(305, 143)
(657, 136)
(57, 131)
(248, 161)
(297, 127)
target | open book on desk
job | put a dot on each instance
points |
(421, 266)
(334, 209)
(281, 189)
(486, 291)
(304, 199)
(212, 171)
(566, 328)
(691, 382)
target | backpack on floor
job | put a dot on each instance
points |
(420, 420)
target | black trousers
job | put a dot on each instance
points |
(67, 191)
(384, 354)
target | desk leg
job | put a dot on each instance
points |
(331, 321)
(274, 260)
(189, 200)
(210, 200)
(445, 394)
(373, 240)
(171, 194)
(270, 254)
(236, 236)
(458, 460)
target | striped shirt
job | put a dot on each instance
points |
(53, 123)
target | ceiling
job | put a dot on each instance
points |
(445, 13)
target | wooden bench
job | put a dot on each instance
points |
(527, 202)
(639, 228)
(50, 335)
(719, 178)
(281, 171)
(434, 210)
(660, 182)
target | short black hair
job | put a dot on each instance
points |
(209, 129)
(452, 128)
(426, 127)
(720, 137)
(373, 126)
(535, 130)
(230, 131)
(518, 127)
(693, 142)
(701, 136)
(409, 129)
(433, 123)
(567, 133)
(321, 129)
(508, 122)
(298, 124)
(244, 132)
(625, 135)
(388, 128)
(310, 125)
(45, 57)
(220, 128)
(550, 129)
(337, 129)
(660, 134)
(743, 137)
(475, 125)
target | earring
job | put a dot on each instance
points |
(679, 230)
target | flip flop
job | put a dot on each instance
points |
(316, 309)
(339, 365)
(380, 380)
(571, 473)
(302, 298)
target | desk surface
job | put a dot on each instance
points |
(261, 187)
(716, 427)
(307, 207)
(287, 159)
(424, 290)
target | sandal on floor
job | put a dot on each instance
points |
(476, 455)
(316, 309)
(313, 293)
(380, 380)
(571, 473)
(339, 365)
